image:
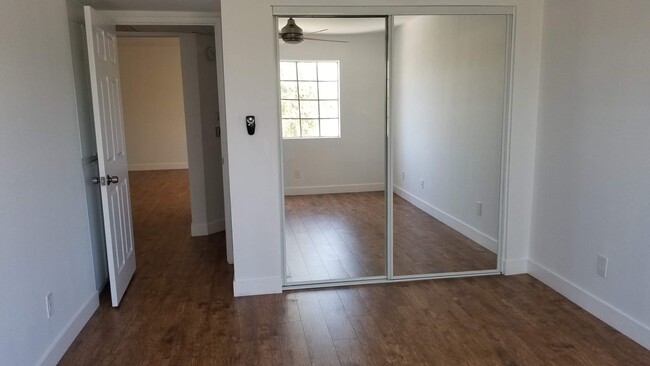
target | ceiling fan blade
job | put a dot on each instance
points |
(323, 40)
(322, 30)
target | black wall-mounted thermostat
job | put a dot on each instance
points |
(250, 124)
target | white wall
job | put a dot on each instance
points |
(254, 161)
(447, 103)
(213, 175)
(152, 94)
(86, 123)
(203, 147)
(592, 181)
(45, 242)
(355, 161)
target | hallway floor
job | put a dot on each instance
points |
(179, 310)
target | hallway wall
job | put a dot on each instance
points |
(152, 95)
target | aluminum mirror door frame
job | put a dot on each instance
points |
(490, 49)
(390, 12)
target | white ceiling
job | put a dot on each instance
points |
(200, 29)
(160, 5)
(338, 25)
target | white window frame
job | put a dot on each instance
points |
(318, 99)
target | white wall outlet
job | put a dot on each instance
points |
(421, 183)
(479, 208)
(403, 176)
(49, 306)
(296, 173)
(601, 266)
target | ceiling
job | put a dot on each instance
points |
(159, 5)
(200, 29)
(337, 25)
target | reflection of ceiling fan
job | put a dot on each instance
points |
(292, 34)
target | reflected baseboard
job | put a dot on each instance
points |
(343, 188)
(474, 234)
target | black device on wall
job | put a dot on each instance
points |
(250, 124)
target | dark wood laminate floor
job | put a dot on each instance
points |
(179, 310)
(341, 236)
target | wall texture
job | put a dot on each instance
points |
(254, 161)
(447, 103)
(592, 176)
(356, 160)
(86, 123)
(45, 241)
(213, 176)
(152, 94)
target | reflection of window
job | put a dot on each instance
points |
(309, 93)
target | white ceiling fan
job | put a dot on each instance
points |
(293, 34)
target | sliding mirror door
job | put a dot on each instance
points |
(447, 114)
(333, 113)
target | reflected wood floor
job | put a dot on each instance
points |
(341, 236)
(179, 310)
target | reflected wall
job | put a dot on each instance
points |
(448, 90)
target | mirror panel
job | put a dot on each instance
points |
(333, 105)
(448, 89)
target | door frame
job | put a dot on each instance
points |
(390, 12)
(136, 17)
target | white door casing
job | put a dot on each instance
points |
(111, 151)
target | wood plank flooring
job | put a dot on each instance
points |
(341, 236)
(335, 236)
(179, 310)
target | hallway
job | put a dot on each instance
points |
(179, 310)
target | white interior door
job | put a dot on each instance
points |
(111, 151)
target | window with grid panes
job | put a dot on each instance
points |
(309, 93)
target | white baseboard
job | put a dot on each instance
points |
(257, 286)
(344, 188)
(157, 166)
(515, 266)
(63, 341)
(616, 318)
(481, 238)
(207, 228)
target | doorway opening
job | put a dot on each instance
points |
(170, 104)
(171, 113)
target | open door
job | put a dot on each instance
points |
(111, 151)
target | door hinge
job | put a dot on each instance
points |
(218, 131)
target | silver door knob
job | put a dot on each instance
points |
(110, 180)
(95, 180)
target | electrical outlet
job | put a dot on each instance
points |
(296, 173)
(49, 306)
(601, 266)
(479, 208)
(421, 183)
(403, 176)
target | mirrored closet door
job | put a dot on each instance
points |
(448, 92)
(332, 81)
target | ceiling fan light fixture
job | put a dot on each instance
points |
(291, 33)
